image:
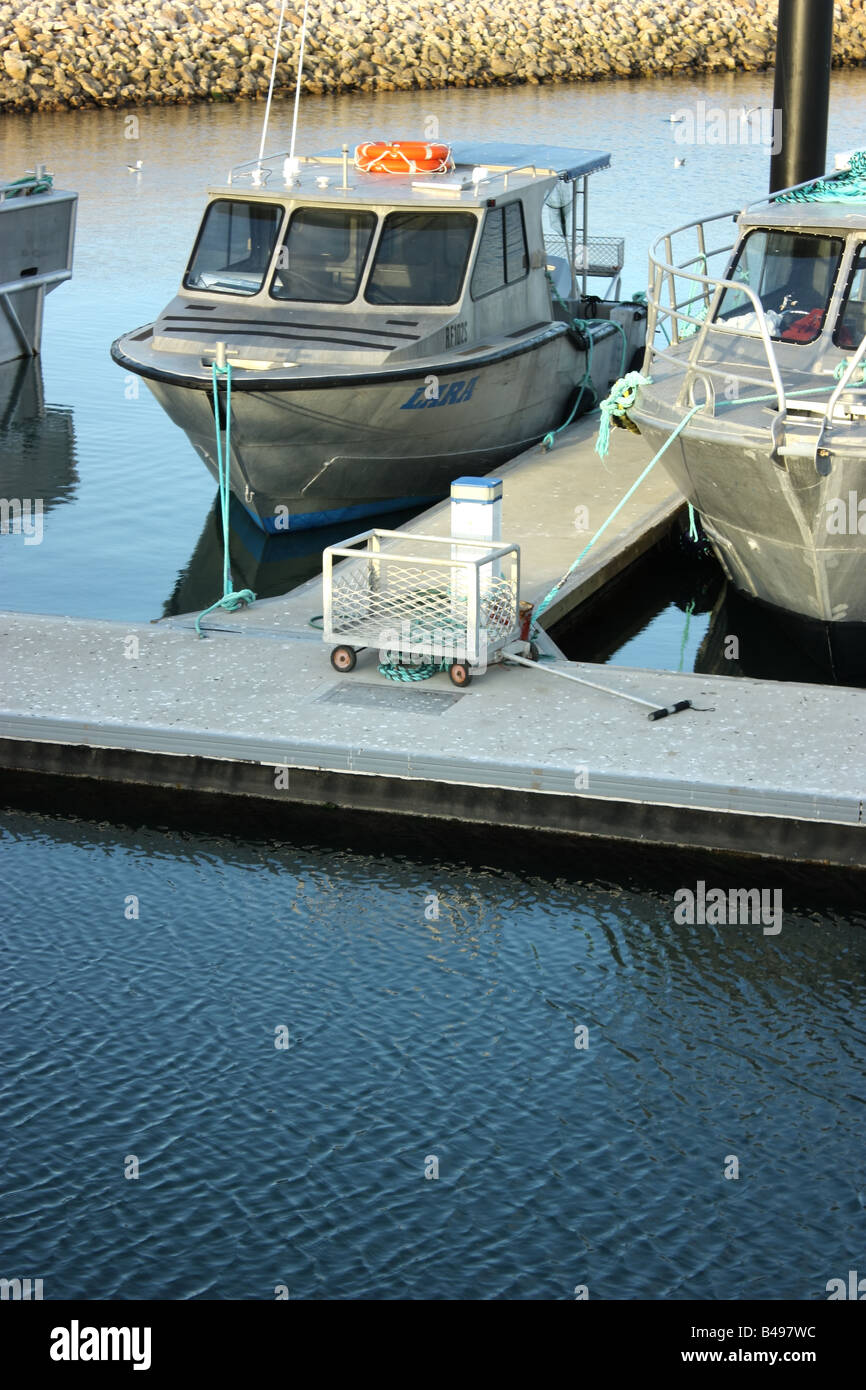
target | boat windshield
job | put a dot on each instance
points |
(792, 274)
(234, 247)
(421, 258)
(323, 255)
(851, 324)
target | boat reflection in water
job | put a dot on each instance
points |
(772, 644)
(37, 441)
(644, 620)
(270, 565)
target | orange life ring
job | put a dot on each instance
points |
(403, 157)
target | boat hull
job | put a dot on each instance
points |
(783, 533)
(37, 233)
(343, 448)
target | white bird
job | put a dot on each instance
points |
(678, 163)
(675, 119)
(746, 114)
(135, 168)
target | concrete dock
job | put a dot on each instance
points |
(770, 771)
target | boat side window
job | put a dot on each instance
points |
(851, 324)
(234, 247)
(791, 274)
(421, 258)
(502, 256)
(323, 255)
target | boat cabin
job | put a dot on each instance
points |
(808, 270)
(316, 259)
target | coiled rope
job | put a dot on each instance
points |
(231, 598)
(29, 185)
(848, 186)
(398, 671)
(616, 406)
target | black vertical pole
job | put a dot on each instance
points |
(801, 95)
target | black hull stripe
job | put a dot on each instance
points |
(236, 332)
(381, 378)
(294, 323)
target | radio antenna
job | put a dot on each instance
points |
(271, 83)
(298, 81)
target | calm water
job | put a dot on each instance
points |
(411, 1035)
(411, 1038)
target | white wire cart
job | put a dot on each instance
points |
(421, 598)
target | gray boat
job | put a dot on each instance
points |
(766, 334)
(37, 236)
(387, 330)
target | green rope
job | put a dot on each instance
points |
(232, 598)
(688, 330)
(689, 611)
(398, 671)
(549, 597)
(616, 405)
(848, 186)
(582, 326)
(855, 379)
(29, 185)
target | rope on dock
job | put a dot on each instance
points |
(399, 671)
(232, 598)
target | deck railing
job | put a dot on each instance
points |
(684, 294)
(686, 285)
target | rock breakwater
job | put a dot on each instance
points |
(74, 53)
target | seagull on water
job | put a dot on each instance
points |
(678, 163)
(674, 119)
(135, 168)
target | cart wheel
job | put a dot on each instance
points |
(533, 652)
(460, 673)
(343, 658)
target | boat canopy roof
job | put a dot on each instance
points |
(506, 168)
(842, 217)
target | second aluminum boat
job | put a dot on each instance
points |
(766, 336)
